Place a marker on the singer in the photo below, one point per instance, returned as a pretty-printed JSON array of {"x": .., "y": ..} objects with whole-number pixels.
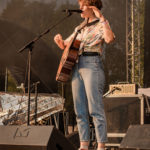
[{"x": 88, "y": 75}]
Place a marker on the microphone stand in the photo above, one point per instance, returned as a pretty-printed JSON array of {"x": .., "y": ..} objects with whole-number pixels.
[
  {"x": 36, "y": 95},
  {"x": 30, "y": 46}
]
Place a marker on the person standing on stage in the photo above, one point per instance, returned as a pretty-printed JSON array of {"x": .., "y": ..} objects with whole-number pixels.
[{"x": 88, "y": 75}]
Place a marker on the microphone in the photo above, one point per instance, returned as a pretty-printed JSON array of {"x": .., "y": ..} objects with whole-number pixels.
[
  {"x": 117, "y": 88},
  {"x": 72, "y": 11}
]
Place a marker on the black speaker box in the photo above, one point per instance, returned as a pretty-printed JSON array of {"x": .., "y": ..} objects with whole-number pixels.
[
  {"x": 33, "y": 138},
  {"x": 137, "y": 137},
  {"x": 121, "y": 112}
]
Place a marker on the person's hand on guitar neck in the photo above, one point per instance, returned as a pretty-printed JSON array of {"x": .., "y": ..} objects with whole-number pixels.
[{"x": 59, "y": 41}]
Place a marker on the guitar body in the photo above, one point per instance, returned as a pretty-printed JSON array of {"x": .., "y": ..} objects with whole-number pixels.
[{"x": 67, "y": 61}]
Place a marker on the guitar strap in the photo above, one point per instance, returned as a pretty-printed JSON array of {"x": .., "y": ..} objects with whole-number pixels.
[
  {"x": 79, "y": 28},
  {"x": 82, "y": 25}
]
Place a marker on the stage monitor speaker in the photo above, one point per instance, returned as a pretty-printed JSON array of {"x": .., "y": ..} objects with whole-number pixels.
[
  {"x": 137, "y": 137},
  {"x": 121, "y": 112},
  {"x": 33, "y": 138}
]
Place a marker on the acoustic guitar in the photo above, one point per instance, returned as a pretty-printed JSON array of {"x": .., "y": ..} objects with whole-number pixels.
[
  {"x": 67, "y": 61},
  {"x": 69, "y": 57}
]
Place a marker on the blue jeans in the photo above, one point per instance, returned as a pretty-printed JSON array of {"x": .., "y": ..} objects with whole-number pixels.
[{"x": 87, "y": 87}]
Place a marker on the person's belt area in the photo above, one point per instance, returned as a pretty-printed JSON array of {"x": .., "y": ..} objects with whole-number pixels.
[{"x": 90, "y": 54}]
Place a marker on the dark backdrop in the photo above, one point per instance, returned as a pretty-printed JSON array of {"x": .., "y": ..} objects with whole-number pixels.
[{"x": 22, "y": 20}]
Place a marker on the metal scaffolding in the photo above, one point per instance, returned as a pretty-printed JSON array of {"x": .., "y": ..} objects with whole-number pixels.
[{"x": 133, "y": 41}]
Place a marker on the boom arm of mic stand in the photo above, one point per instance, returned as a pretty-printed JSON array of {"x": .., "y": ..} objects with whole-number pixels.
[{"x": 28, "y": 45}]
